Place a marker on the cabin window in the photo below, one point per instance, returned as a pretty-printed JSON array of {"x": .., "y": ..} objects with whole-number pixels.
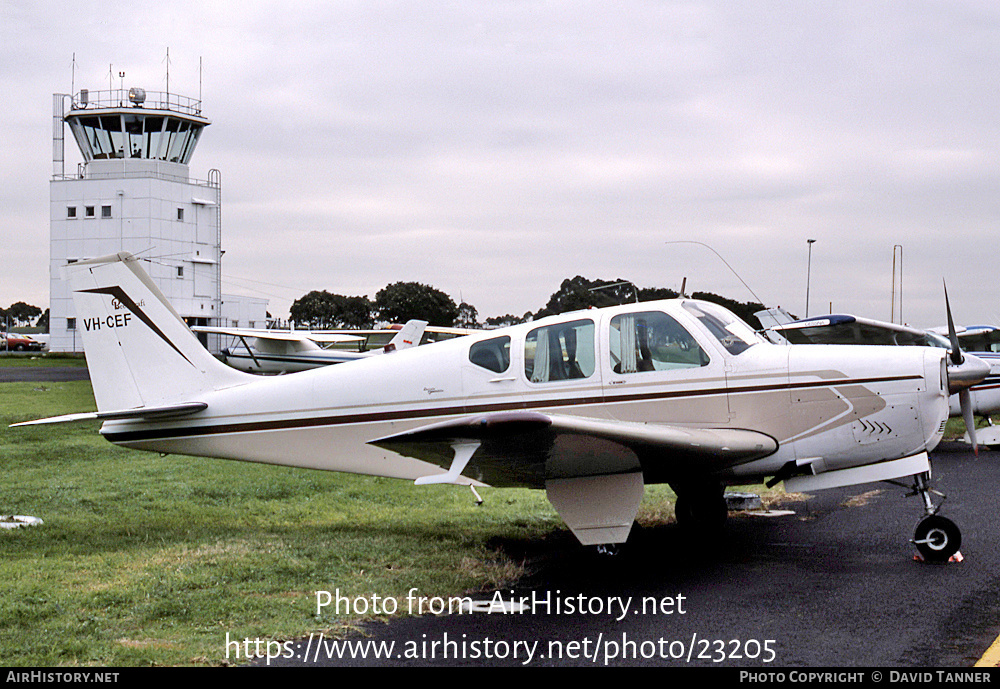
[
  {"x": 652, "y": 341},
  {"x": 564, "y": 351},
  {"x": 732, "y": 333},
  {"x": 493, "y": 354},
  {"x": 981, "y": 341}
]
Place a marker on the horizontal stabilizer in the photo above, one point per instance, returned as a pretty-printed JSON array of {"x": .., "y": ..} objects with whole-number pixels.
[{"x": 138, "y": 413}]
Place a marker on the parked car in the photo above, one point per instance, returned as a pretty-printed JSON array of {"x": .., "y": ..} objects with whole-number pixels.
[{"x": 15, "y": 342}]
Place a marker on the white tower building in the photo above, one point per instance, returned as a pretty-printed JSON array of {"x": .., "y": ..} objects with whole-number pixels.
[{"x": 133, "y": 192}]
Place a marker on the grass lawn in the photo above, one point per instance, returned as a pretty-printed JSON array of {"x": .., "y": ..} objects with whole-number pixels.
[{"x": 40, "y": 359}]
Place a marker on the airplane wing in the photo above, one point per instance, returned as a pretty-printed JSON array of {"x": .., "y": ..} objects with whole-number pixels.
[
  {"x": 848, "y": 329},
  {"x": 278, "y": 335},
  {"x": 525, "y": 448},
  {"x": 593, "y": 470},
  {"x": 770, "y": 318}
]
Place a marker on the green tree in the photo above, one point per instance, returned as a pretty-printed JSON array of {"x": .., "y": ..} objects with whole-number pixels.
[
  {"x": 401, "y": 301},
  {"x": 745, "y": 310},
  {"x": 324, "y": 310},
  {"x": 580, "y": 293},
  {"x": 468, "y": 316},
  {"x": 20, "y": 313},
  {"x": 656, "y": 293},
  {"x": 506, "y": 320}
]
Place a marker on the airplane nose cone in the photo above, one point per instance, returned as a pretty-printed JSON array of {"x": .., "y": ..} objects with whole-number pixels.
[{"x": 963, "y": 376}]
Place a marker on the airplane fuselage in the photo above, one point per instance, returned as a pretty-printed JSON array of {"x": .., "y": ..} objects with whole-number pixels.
[
  {"x": 828, "y": 407},
  {"x": 278, "y": 360}
]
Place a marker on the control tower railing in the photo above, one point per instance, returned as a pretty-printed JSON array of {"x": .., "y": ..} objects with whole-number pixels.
[{"x": 128, "y": 98}]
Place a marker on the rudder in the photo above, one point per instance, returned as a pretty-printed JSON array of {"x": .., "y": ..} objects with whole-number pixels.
[{"x": 139, "y": 351}]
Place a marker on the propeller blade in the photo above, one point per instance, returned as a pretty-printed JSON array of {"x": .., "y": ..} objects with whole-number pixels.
[
  {"x": 956, "y": 349},
  {"x": 965, "y": 398}
]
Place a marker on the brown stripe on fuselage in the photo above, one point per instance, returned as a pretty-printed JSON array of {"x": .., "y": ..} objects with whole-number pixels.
[{"x": 431, "y": 413}]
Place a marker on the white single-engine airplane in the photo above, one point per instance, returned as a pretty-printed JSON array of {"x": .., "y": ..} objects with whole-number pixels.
[
  {"x": 288, "y": 351},
  {"x": 589, "y": 406}
]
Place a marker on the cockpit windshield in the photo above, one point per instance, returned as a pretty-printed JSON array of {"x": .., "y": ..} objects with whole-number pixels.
[{"x": 732, "y": 333}]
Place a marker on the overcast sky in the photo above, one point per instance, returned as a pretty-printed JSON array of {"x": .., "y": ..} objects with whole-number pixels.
[{"x": 492, "y": 149}]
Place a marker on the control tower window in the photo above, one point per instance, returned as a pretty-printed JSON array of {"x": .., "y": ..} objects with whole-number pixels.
[
  {"x": 153, "y": 137},
  {"x": 111, "y": 126},
  {"x": 135, "y": 134},
  {"x": 180, "y": 134}
]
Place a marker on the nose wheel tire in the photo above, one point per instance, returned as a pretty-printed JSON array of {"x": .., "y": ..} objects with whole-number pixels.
[{"x": 937, "y": 538}]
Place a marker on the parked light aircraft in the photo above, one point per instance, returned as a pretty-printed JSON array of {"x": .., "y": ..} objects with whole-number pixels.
[
  {"x": 287, "y": 351},
  {"x": 589, "y": 406},
  {"x": 983, "y": 341}
]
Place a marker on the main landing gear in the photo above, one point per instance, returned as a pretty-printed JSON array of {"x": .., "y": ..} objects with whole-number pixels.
[
  {"x": 937, "y": 538},
  {"x": 700, "y": 509}
]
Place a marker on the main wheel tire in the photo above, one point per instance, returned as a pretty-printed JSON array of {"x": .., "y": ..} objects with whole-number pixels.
[
  {"x": 937, "y": 538},
  {"x": 701, "y": 513}
]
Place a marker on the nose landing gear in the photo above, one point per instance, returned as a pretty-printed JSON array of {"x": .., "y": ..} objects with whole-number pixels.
[{"x": 937, "y": 538}]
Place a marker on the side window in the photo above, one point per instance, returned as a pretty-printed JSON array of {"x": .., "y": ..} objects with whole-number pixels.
[
  {"x": 564, "y": 351},
  {"x": 652, "y": 341},
  {"x": 493, "y": 355}
]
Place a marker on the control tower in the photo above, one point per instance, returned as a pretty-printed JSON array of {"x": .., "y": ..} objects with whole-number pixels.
[{"x": 133, "y": 192}]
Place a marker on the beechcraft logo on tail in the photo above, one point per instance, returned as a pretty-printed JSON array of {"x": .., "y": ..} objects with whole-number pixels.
[{"x": 120, "y": 300}]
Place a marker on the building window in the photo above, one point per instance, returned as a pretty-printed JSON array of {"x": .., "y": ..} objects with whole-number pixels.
[
  {"x": 89, "y": 211},
  {"x": 180, "y": 271},
  {"x": 180, "y": 214},
  {"x": 105, "y": 211},
  {"x": 70, "y": 211},
  {"x": 70, "y": 324}
]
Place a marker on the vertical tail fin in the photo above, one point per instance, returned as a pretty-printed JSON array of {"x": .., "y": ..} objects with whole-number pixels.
[
  {"x": 139, "y": 351},
  {"x": 408, "y": 336}
]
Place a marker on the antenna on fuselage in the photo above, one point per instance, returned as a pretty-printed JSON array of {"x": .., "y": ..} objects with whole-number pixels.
[
  {"x": 683, "y": 293},
  {"x": 691, "y": 241}
]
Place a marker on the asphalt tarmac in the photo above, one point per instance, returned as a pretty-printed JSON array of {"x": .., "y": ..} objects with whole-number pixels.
[
  {"x": 39, "y": 374},
  {"x": 833, "y": 585}
]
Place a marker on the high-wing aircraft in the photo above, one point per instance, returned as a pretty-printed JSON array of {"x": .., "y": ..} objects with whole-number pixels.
[
  {"x": 287, "y": 351},
  {"x": 983, "y": 341},
  {"x": 590, "y": 406}
]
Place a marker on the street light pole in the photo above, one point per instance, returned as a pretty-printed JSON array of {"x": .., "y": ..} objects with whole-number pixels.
[{"x": 810, "y": 242}]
